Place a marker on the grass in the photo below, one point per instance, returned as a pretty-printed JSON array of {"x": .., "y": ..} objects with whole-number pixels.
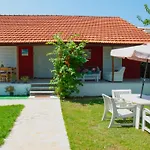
[
  {"x": 8, "y": 115},
  {"x": 13, "y": 97},
  {"x": 86, "y": 131}
]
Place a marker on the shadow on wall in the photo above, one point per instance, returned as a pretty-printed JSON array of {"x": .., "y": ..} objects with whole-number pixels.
[{"x": 142, "y": 69}]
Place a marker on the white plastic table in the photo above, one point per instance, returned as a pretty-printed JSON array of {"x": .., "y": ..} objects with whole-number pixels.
[{"x": 135, "y": 98}]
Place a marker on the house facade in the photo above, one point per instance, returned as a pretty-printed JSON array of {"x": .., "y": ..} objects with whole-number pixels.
[{"x": 23, "y": 38}]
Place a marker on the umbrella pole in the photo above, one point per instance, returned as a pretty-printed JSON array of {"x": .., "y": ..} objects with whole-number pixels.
[
  {"x": 144, "y": 78},
  {"x": 113, "y": 69}
]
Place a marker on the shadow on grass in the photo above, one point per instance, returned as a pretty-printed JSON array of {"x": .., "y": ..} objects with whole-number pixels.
[{"x": 85, "y": 100}]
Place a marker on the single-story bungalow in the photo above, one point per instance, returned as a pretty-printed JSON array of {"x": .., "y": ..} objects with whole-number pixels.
[{"x": 23, "y": 38}]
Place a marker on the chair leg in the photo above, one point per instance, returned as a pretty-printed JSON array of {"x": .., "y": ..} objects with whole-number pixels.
[
  {"x": 111, "y": 121},
  {"x": 134, "y": 119},
  {"x": 143, "y": 122}
]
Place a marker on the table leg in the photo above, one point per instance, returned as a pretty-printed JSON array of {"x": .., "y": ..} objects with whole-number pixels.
[
  {"x": 138, "y": 114},
  {"x": 97, "y": 78},
  {"x": 142, "y": 106}
]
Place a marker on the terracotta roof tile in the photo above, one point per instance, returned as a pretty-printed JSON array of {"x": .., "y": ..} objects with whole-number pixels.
[{"x": 39, "y": 29}]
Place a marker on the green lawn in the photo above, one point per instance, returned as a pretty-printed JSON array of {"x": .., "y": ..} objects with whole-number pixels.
[
  {"x": 86, "y": 131},
  {"x": 8, "y": 115}
]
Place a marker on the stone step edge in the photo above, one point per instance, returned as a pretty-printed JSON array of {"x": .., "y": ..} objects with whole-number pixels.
[
  {"x": 32, "y": 92},
  {"x": 41, "y": 88},
  {"x": 42, "y": 83}
]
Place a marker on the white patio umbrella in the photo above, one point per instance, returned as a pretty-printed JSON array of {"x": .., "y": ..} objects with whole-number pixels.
[{"x": 137, "y": 53}]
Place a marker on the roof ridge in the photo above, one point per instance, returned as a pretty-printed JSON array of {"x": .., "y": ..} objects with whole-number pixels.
[{"x": 58, "y": 15}]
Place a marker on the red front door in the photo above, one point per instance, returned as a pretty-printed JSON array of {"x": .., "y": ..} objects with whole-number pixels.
[{"x": 25, "y": 59}]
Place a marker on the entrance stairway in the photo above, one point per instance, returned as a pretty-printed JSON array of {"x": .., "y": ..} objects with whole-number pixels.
[{"x": 42, "y": 89}]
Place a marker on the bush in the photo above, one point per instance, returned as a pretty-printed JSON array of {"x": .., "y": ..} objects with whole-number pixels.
[
  {"x": 68, "y": 57},
  {"x": 24, "y": 79}
]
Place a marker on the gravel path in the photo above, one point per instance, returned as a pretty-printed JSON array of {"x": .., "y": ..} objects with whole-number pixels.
[{"x": 39, "y": 127}]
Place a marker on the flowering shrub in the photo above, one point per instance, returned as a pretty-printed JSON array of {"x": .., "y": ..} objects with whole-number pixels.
[
  {"x": 24, "y": 79},
  {"x": 68, "y": 57},
  {"x": 10, "y": 90}
]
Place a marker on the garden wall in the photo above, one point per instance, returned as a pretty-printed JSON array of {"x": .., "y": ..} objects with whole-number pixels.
[{"x": 20, "y": 89}]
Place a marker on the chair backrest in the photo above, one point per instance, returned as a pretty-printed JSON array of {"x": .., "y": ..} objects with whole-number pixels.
[
  {"x": 109, "y": 104},
  {"x": 117, "y": 93},
  {"x": 122, "y": 70}
]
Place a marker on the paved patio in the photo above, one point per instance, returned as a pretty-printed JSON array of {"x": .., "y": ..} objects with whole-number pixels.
[{"x": 39, "y": 127}]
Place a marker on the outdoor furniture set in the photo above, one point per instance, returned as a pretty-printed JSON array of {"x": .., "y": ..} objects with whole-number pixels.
[
  {"x": 91, "y": 73},
  {"x": 7, "y": 73},
  {"x": 123, "y": 104},
  {"x": 137, "y": 101}
]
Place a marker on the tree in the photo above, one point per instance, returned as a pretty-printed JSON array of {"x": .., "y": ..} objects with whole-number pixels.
[
  {"x": 67, "y": 58},
  {"x": 145, "y": 21}
]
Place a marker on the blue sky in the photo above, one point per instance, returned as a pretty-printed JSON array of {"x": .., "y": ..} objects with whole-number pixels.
[{"x": 126, "y": 9}]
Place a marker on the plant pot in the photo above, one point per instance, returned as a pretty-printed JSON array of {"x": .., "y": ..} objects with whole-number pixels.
[{"x": 11, "y": 93}]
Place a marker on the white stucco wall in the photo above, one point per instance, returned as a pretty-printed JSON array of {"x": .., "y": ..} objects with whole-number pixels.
[
  {"x": 8, "y": 56},
  {"x": 97, "y": 88},
  {"x": 42, "y": 65},
  {"x": 20, "y": 88},
  {"x": 107, "y": 60}
]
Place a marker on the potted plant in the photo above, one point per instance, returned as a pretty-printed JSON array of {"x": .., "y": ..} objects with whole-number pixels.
[
  {"x": 24, "y": 79},
  {"x": 10, "y": 90},
  {"x": 2, "y": 65}
]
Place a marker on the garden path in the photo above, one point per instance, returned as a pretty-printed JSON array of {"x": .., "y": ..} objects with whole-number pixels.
[{"x": 39, "y": 127}]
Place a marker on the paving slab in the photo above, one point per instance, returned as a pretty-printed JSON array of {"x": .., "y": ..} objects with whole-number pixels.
[{"x": 39, "y": 127}]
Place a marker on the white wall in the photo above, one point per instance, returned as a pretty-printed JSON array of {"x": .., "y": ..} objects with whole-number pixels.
[
  {"x": 97, "y": 88},
  {"x": 107, "y": 60},
  {"x": 8, "y": 56},
  {"x": 42, "y": 64},
  {"x": 20, "y": 88},
  {"x": 145, "y": 29}
]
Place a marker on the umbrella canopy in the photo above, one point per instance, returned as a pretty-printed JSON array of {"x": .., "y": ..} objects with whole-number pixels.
[{"x": 137, "y": 53}]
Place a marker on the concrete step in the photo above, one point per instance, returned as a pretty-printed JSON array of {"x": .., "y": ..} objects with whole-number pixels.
[
  {"x": 42, "y": 85},
  {"x": 42, "y": 88},
  {"x": 34, "y": 93},
  {"x": 42, "y": 92}
]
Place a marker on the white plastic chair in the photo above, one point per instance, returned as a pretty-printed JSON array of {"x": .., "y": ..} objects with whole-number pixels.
[
  {"x": 117, "y": 111},
  {"x": 118, "y": 75},
  {"x": 116, "y": 95},
  {"x": 145, "y": 118}
]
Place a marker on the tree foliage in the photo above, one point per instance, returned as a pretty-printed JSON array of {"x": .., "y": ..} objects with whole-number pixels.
[
  {"x": 67, "y": 58},
  {"x": 145, "y": 21}
]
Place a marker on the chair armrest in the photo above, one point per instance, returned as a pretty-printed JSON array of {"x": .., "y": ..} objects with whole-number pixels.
[
  {"x": 118, "y": 73},
  {"x": 122, "y": 101},
  {"x": 127, "y": 107},
  {"x": 146, "y": 111},
  {"x": 119, "y": 99}
]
